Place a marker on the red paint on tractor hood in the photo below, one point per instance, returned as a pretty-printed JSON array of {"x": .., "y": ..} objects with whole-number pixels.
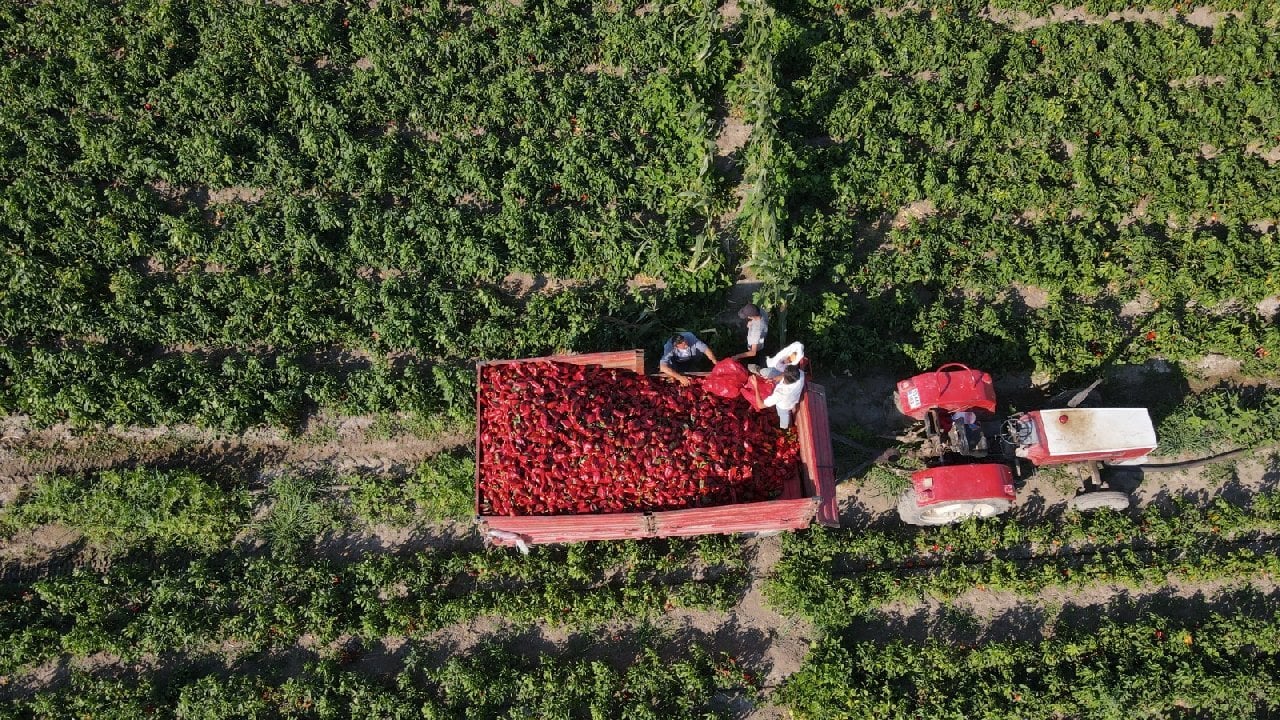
[
  {"x": 978, "y": 481},
  {"x": 951, "y": 387}
]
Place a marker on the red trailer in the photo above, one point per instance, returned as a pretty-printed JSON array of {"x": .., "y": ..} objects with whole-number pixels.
[{"x": 811, "y": 495}]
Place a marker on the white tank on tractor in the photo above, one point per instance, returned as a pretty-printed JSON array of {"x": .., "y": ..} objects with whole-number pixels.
[{"x": 1120, "y": 436}]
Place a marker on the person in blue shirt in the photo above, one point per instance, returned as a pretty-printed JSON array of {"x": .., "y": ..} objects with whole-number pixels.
[{"x": 679, "y": 354}]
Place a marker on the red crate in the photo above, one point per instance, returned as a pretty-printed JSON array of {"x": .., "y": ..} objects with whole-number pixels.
[{"x": 810, "y": 495}]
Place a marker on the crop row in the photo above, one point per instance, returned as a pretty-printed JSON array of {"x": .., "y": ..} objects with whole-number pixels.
[
  {"x": 1224, "y": 666},
  {"x": 831, "y": 575},
  {"x": 190, "y": 570},
  {"x": 1102, "y": 164},
  {"x": 257, "y": 602},
  {"x": 204, "y": 204},
  {"x": 144, "y": 509},
  {"x": 1177, "y": 10},
  {"x": 491, "y": 681},
  {"x": 1223, "y": 418}
]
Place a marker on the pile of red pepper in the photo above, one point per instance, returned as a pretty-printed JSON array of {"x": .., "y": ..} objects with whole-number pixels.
[{"x": 559, "y": 439}]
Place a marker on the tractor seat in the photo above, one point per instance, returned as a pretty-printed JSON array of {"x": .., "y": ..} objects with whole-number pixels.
[{"x": 967, "y": 440}]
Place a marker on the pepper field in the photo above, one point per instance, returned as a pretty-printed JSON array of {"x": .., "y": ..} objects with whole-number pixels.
[{"x": 253, "y": 251}]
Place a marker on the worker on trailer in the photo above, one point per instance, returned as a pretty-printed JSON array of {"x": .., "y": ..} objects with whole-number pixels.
[
  {"x": 680, "y": 353},
  {"x": 792, "y": 354},
  {"x": 757, "y": 328},
  {"x": 786, "y": 394}
]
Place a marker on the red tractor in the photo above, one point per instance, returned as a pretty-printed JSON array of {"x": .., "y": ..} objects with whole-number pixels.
[{"x": 973, "y": 457}]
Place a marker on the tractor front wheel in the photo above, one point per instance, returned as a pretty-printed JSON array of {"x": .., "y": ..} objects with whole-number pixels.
[{"x": 945, "y": 513}]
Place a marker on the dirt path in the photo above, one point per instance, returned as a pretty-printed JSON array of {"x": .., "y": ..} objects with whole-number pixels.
[
  {"x": 363, "y": 444},
  {"x": 1199, "y": 16}
]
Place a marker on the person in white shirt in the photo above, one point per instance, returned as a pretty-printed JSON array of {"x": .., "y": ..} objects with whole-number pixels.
[
  {"x": 786, "y": 395},
  {"x": 789, "y": 355},
  {"x": 757, "y": 329}
]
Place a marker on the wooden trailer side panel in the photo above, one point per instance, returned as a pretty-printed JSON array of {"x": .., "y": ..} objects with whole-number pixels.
[
  {"x": 816, "y": 457},
  {"x": 625, "y": 359},
  {"x": 766, "y": 516},
  {"x": 537, "y": 530}
]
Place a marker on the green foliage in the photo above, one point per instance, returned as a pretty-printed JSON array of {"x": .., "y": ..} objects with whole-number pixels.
[
  {"x": 230, "y": 214},
  {"x": 1069, "y": 169},
  {"x": 214, "y": 698},
  {"x": 238, "y": 603},
  {"x": 1221, "y": 666},
  {"x": 376, "y": 500},
  {"x": 831, "y": 576},
  {"x": 122, "y": 510},
  {"x": 1222, "y": 419},
  {"x": 885, "y": 481},
  {"x": 491, "y": 681},
  {"x": 441, "y": 489},
  {"x": 90, "y": 697},
  {"x": 762, "y": 215},
  {"x": 298, "y": 510},
  {"x": 233, "y": 214}
]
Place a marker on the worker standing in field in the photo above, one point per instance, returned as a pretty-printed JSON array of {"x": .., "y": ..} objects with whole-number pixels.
[
  {"x": 757, "y": 329},
  {"x": 786, "y": 394},
  {"x": 679, "y": 354}
]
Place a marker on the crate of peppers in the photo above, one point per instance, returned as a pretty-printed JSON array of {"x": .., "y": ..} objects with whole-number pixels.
[{"x": 557, "y": 438}]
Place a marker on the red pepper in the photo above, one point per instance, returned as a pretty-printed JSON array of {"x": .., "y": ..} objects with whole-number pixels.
[{"x": 551, "y": 444}]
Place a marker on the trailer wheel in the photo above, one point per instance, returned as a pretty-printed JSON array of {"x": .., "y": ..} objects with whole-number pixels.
[
  {"x": 948, "y": 512},
  {"x": 1113, "y": 499}
]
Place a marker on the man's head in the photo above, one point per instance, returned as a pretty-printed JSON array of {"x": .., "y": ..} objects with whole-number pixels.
[
  {"x": 679, "y": 341},
  {"x": 749, "y": 312},
  {"x": 790, "y": 374}
]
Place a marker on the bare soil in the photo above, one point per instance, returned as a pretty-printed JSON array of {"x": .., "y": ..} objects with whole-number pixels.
[
  {"x": 1200, "y": 16},
  {"x": 1268, "y": 308},
  {"x": 730, "y": 12},
  {"x": 1033, "y": 297},
  {"x": 347, "y": 444},
  {"x": 521, "y": 285},
  {"x": 732, "y": 137},
  {"x": 1140, "y": 305},
  {"x": 986, "y": 615},
  {"x": 1138, "y": 212},
  {"x": 235, "y": 194},
  {"x": 914, "y": 212}
]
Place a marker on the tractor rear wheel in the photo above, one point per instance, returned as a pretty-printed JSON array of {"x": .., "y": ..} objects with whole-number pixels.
[
  {"x": 1113, "y": 499},
  {"x": 909, "y": 509},
  {"x": 946, "y": 513}
]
